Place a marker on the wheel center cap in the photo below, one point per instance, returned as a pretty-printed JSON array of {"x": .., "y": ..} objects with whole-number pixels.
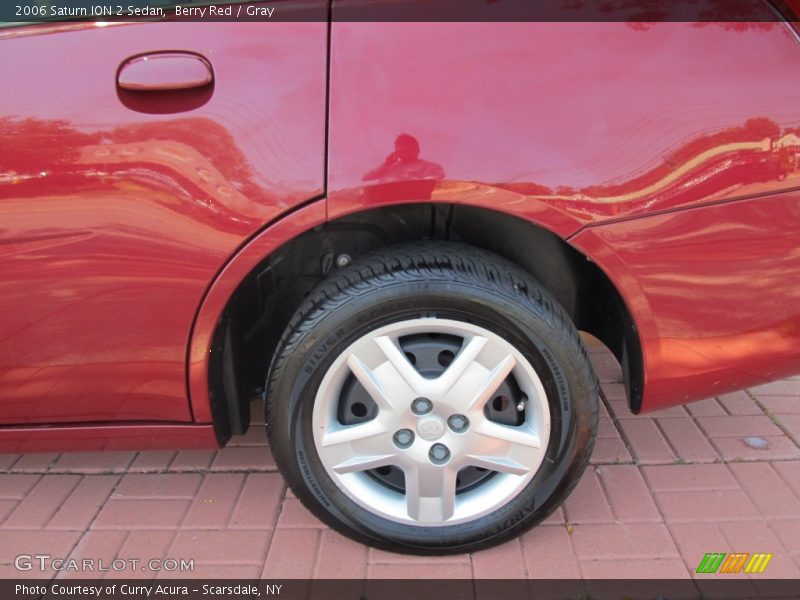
[{"x": 430, "y": 428}]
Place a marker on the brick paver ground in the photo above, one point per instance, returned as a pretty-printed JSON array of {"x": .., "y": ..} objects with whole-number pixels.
[{"x": 721, "y": 475}]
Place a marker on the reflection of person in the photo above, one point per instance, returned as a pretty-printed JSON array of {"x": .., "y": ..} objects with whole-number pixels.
[{"x": 404, "y": 164}]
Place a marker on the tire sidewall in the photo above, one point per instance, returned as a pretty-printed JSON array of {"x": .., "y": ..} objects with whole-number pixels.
[{"x": 552, "y": 351}]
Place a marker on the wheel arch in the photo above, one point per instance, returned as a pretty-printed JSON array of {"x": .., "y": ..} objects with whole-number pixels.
[{"x": 249, "y": 304}]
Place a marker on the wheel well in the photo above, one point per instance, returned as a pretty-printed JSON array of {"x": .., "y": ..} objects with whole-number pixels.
[{"x": 262, "y": 305}]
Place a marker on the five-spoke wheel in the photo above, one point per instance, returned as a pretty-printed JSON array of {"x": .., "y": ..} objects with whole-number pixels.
[
  {"x": 432, "y": 398},
  {"x": 433, "y": 423}
]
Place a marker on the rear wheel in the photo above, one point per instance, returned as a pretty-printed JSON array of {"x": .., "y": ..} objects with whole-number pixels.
[{"x": 432, "y": 399}]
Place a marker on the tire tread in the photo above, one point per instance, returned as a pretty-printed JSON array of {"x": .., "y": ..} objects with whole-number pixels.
[{"x": 439, "y": 261}]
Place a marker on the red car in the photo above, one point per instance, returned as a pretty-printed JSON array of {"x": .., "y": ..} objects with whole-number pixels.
[{"x": 392, "y": 233}]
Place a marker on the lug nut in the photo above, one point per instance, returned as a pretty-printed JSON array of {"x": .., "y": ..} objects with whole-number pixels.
[
  {"x": 403, "y": 438},
  {"x": 421, "y": 406},
  {"x": 458, "y": 423},
  {"x": 439, "y": 454}
]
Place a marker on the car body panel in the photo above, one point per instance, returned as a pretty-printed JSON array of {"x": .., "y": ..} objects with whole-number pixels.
[
  {"x": 117, "y": 212},
  {"x": 714, "y": 292},
  {"x": 82, "y": 437},
  {"x": 267, "y": 241},
  {"x": 126, "y": 224},
  {"x": 565, "y": 124},
  {"x": 589, "y": 129}
]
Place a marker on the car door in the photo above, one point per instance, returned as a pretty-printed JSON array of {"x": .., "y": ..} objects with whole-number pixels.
[{"x": 125, "y": 187}]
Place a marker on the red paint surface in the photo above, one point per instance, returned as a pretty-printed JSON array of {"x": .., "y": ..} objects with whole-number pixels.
[
  {"x": 714, "y": 291},
  {"x": 114, "y": 222},
  {"x": 573, "y": 125},
  {"x": 145, "y": 436},
  {"x": 123, "y": 218},
  {"x": 563, "y": 124},
  {"x": 251, "y": 255}
]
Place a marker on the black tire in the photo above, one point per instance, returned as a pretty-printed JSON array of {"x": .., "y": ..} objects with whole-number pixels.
[{"x": 445, "y": 280}]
